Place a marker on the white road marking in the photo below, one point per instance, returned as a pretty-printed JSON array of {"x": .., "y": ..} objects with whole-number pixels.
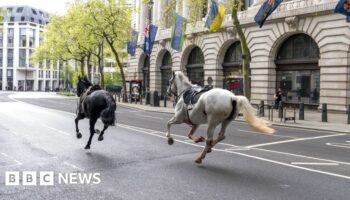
[
  {"x": 237, "y": 149},
  {"x": 4, "y": 154},
  {"x": 147, "y": 116},
  {"x": 73, "y": 166},
  {"x": 275, "y": 135},
  {"x": 250, "y": 156},
  {"x": 302, "y": 156},
  {"x": 309, "y": 163},
  {"x": 295, "y": 140},
  {"x": 57, "y": 130},
  {"x": 342, "y": 145}
]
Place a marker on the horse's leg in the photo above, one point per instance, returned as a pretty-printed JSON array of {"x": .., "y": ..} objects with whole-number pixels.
[
  {"x": 221, "y": 135},
  {"x": 79, "y": 117},
  {"x": 172, "y": 121},
  {"x": 210, "y": 133},
  {"x": 195, "y": 138},
  {"x": 93, "y": 120},
  {"x": 100, "y": 137}
]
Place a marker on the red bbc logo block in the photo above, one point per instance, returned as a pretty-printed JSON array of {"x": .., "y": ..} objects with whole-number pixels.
[{"x": 29, "y": 178}]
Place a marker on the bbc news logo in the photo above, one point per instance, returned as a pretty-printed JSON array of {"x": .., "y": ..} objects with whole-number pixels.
[{"x": 47, "y": 178}]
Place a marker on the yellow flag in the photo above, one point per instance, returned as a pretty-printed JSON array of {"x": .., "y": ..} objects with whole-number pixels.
[{"x": 219, "y": 18}]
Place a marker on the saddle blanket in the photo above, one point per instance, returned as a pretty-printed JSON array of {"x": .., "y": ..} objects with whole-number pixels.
[{"x": 192, "y": 94}]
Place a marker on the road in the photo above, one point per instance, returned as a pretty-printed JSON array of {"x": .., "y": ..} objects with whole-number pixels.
[{"x": 135, "y": 161}]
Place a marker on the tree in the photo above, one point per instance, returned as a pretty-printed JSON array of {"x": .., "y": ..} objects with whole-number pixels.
[{"x": 109, "y": 19}]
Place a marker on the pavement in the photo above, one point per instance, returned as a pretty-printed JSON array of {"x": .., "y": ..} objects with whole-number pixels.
[
  {"x": 337, "y": 122},
  {"x": 37, "y": 133}
]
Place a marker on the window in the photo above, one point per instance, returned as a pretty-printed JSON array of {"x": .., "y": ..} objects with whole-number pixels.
[
  {"x": 30, "y": 55},
  {"x": 9, "y": 10},
  {"x": 40, "y": 21},
  {"x": 9, "y": 73},
  {"x": 10, "y": 34},
  {"x": 19, "y": 9},
  {"x": 22, "y": 58},
  {"x": 34, "y": 11},
  {"x": 12, "y": 19},
  {"x": 22, "y": 18},
  {"x": 9, "y": 57},
  {"x": 298, "y": 73},
  {"x": 232, "y": 69},
  {"x": 31, "y": 37},
  {"x": 1, "y": 58},
  {"x": 165, "y": 72},
  {"x": 32, "y": 19},
  {"x": 22, "y": 37},
  {"x": 1, "y": 39},
  {"x": 194, "y": 66}
]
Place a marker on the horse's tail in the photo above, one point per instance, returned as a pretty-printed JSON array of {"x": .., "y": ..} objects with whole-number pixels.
[
  {"x": 108, "y": 114},
  {"x": 248, "y": 111}
]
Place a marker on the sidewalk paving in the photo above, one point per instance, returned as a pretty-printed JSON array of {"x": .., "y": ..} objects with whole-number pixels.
[{"x": 337, "y": 122}]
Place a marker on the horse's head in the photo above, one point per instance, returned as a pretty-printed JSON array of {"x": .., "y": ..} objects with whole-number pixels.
[
  {"x": 83, "y": 85},
  {"x": 172, "y": 89}
]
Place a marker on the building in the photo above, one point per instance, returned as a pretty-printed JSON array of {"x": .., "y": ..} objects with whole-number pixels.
[
  {"x": 303, "y": 48},
  {"x": 21, "y": 33}
]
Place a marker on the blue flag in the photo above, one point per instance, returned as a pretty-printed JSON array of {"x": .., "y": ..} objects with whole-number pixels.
[
  {"x": 266, "y": 10},
  {"x": 343, "y": 7},
  {"x": 150, "y": 36},
  {"x": 178, "y": 32},
  {"x": 132, "y": 43}
]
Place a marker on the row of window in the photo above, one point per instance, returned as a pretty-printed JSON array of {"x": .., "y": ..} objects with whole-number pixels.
[
  {"x": 9, "y": 73},
  {"x": 20, "y": 10},
  {"x": 24, "y": 33},
  {"x": 22, "y": 57},
  {"x": 48, "y": 74}
]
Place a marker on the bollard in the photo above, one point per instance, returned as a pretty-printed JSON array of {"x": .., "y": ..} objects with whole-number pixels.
[
  {"x": 269, "y": 109},
  {"x": 348, "y": 114},
  {"x": 301, "y": 111},
  {"x": 165, "y": 100},
  {"x": 324, "y": 112},
  {"x": 141, "y": 98},
  {"x": 147, "y": 98},
  {"x": 119, "y": 98},
  {"x": 130, "y": 98},
  {"x": 280, "y": 109},
  {"x": 262, "y": 110}
]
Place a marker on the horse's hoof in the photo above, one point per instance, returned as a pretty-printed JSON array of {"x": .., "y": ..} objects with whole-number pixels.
[
  {"x": 97, "y": 131},
  {"x": 170, "y": 141},
  {"x": 87, "y": 147},
  {"x": 198, "y": 161},
  {"x": 79, "y": 135},
  {"x": 200, "y": 139},
  {"x": 100, "y": 138}
]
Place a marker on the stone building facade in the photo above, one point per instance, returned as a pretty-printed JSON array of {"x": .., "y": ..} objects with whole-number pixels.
[{"x": 303, "y": 48}]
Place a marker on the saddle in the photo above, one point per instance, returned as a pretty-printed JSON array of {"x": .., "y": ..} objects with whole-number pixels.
[
  {"x": 192, "y": 95},
  {"x": 83, "y": 107}
]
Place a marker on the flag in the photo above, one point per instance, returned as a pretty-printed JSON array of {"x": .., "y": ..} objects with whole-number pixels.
[
  {"x": 343, "y": 7},
  {"x": 178, "y": 32},
  {"x": 266, "y": 10},
  {"x": 132, "y": 43},
  {"x": 150, "y": 36},
  {"x": 215, "y": 17}
]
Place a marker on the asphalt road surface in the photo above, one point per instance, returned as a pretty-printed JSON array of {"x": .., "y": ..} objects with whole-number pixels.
[{"x": 134, "y": 160}]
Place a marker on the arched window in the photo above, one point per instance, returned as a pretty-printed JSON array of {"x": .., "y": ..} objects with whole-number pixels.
[
  {"x": 232, "y": 68},
  {"x": 146, "y": 74},
  {"x": 194, "y": 66},
  {"x": 298, "y": 73},
  {"x": 165, "y": 69}
]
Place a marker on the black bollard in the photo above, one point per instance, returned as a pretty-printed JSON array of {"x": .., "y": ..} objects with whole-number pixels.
[
  {"x": 280, "y": 109},
  {"x": 165, "y": 100},
  {"x": 130, "y": 99},
  {"x": 324, "y": 112},
  {"x": 301, "y": 111},
  {"x": 348, "y": 114},
  {"x": 141, "y": 99},
  {"x": 147, "y": 98},
  {"x": 262, "y": 110}
]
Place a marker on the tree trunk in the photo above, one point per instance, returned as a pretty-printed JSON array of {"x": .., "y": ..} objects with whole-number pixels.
[
  {"x": 82, "y": 66},
  {"x": 245, "y": 50},
  {"x": 89, "y": 67},
  {"x": 120, "y": 67}
]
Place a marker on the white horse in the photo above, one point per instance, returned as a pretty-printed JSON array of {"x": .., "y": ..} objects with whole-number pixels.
[{"x": 217, "y": 106}]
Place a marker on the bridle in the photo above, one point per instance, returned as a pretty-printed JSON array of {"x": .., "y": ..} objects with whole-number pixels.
[{"x": 171, "y": 82}]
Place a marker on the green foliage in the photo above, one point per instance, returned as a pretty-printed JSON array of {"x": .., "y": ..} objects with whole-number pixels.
[
  {"x": 112, "y": 78},
  {"x": 68, "y": 94}
]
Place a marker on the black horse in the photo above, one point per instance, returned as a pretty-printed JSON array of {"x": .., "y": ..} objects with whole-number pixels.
[{"x": 93, "y": 104}]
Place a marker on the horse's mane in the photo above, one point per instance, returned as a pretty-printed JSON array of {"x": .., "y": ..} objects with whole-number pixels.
[{"x": 183, "y": 78}]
